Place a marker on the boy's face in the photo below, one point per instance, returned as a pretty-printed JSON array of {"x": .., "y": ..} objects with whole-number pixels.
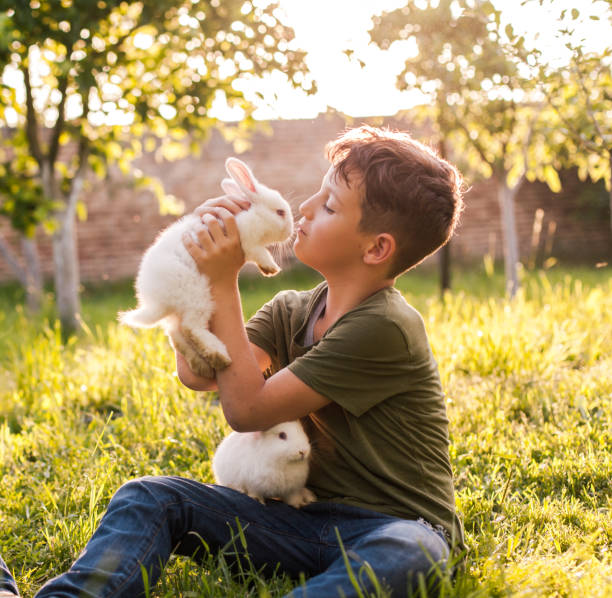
[{"x": 328, "y": 236}]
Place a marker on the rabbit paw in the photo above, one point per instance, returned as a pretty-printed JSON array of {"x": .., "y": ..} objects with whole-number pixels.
[
  {"x": 209, "y": 349},
  {"x": 301, "y": 498},
  {"x": 200, "y": 367},
  {"x": 264, "y": 260},
  {"x": 269, "y": 271},
  {"x": 258, "y": 498},
  {"x": 219, "y": 361}
]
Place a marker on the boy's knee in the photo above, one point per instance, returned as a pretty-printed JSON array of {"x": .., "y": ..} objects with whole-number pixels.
[
  {"x": 403, "y": 552},
  {"x": 143, "y": 490}
]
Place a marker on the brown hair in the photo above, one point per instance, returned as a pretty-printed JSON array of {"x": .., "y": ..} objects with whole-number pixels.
[{"x": 407, "y": 190}]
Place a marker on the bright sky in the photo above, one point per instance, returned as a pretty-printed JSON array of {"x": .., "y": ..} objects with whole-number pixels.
[{"x": 327, "y": 27}]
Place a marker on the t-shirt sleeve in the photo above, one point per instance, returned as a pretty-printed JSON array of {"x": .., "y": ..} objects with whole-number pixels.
[
  {"x": 360, "y": 363},
  {"x": 260, "y": 329}
]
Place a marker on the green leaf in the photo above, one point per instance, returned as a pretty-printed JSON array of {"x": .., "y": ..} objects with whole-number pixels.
[
  {"x": 81, "y": 210},
  {"x": 131, "y": 57},
  {"x": 551, "y": 178}
]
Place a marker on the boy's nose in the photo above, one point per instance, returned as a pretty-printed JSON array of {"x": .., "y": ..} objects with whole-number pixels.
[{"x": 305, "y": 209}]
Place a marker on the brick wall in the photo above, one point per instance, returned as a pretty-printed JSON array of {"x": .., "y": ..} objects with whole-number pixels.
[{"x": 122, "y": 222}]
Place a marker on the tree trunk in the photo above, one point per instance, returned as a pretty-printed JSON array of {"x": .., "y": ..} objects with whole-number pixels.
[
  {"x": 34, "y": 281},
  {"x": 610, "y": 203},
  {"x": 65, "y": 260},
  {"x": 66, "y": 272},
  {"x": 506, "y": 197},
  {"x": 445, "y": 252},
  {"x": 29, "y": 274},
  {"x": 445, "y": 268}
]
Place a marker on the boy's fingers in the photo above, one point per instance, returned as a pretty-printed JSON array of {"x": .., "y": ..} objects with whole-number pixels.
[
  {"x": 229, "y": 223},
  {"x": 243, "y": 204},
  {"x": 226, "y": 223},
  {"x": 205, "y": 207},
  {"x": 210, "y": 232},
  {"x": 193, "y": 249},
  {"x": 232, "y": 204}
]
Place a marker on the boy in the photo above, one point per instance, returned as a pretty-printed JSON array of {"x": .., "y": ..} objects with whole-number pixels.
[{"x": 351, "y": 359}]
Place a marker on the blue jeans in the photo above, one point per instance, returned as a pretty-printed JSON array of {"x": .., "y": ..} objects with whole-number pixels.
[{"x": 151, "y": 517}]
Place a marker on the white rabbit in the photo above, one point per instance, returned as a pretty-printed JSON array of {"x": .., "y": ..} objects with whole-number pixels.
[
  {"x": 173, "y": 294},
  {"x": 269, "y": 464}
]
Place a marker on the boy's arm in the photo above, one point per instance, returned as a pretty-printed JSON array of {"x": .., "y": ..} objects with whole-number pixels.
[
  {"x": 249, "y": 401},
  {"x": 195, "y": 382},
  {"x": 189, "y": 379}
]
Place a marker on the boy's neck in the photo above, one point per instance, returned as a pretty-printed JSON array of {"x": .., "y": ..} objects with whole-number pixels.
[{"x": 345, "y": 293}]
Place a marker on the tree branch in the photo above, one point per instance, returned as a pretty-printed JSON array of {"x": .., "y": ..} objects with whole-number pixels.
[
  {"x": 588, "y": 143},
  {"x": 59, "y": 123},
  {"x": 475, "y": 143},
  {"x": 530, "y": 132},
  {"x": 11, "y": 259},
  {"x": 77, "y": 180},
  {"x": 31, "y": 120},
  {"x": 589, "y": 106}
]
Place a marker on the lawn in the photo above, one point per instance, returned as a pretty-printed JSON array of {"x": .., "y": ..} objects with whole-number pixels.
[{"x": 529, "y": 394}]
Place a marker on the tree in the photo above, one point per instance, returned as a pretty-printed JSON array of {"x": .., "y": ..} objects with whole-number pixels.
[
  {"x": 450, "y": 37},
  {"x": 93, "y": 84},
  {"x": 478, "y": 97},
  {"x": 24, "y": 204},
  {"x": 580, "y": 94}
]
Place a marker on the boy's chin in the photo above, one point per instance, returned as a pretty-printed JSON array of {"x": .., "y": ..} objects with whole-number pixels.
[
  {"x": 297, "y": 249},
  {"x": 303, "y": 259}
]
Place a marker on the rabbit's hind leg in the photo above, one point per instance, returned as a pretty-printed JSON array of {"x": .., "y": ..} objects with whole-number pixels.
[
  {"x": 264, "y": 260},
  {"x": 300, "y": 498},
  {"x": 210, "y": 348},
  {"x": 196, "y": 362}
]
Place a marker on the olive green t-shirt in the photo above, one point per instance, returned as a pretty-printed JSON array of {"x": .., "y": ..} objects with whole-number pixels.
[{"x": 382, "y": 442}]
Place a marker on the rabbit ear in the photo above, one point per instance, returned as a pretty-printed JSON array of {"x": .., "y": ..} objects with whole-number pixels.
[
  {"x": 241, "y": 173},
  {"x": 232, "y": 189}
]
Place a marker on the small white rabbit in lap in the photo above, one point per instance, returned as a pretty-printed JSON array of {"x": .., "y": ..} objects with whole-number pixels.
[
  {"x": 269, "y": 464},
  {"x": 173, "y": 294}
]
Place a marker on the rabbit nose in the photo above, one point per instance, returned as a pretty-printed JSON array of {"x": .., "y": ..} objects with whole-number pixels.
[{"x": 302, "y": 453}]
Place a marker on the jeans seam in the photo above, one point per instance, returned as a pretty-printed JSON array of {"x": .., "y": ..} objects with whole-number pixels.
[
  {"x": 259, "y": 525},
  {"x": 165, "y": 506},
  {"x": 148, "y": 548},
  {"x": 439, "y": 530}
]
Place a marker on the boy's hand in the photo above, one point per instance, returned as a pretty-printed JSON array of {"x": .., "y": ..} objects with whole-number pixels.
[
  {"x": 216, "y": 250},
  {"x": 232, "y": 204}
]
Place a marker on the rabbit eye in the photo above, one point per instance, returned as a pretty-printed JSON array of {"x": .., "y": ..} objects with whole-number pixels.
[
  {"x": 281, "y": 213},
  {"x": 283, "y": 436}
]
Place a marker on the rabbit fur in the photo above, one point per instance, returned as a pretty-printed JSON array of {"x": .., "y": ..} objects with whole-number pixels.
[
  {"x": 173, "y": 294},
  {"x": 269, "y": 464}
]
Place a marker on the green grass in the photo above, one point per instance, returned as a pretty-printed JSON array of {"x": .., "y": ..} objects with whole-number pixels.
[{"x": 529, "y": 386}]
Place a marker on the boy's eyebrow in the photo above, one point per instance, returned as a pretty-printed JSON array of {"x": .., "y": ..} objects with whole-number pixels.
[
  {"x": 337, "y": 199},
  {"x": 328, "y": 181}
]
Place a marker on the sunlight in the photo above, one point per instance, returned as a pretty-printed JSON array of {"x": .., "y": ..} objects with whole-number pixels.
[
  {"x": 353, "y": 76},
  {"x": 143, "y": 41},
  {"x": 327, "y": 29}
]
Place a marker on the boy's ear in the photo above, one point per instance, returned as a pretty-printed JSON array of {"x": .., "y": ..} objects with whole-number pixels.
[{"x": 381, "y": 249}]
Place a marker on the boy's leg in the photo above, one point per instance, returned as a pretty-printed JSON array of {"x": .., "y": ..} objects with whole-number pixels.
[
  {"x": 399, "y": 551},
  {"x": 149, "y": 518},
  {"x": 7, "y": 583}
]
